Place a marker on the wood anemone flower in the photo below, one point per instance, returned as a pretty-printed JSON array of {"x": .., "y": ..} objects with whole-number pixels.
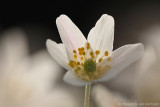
[{"x": 93, "y": 59}]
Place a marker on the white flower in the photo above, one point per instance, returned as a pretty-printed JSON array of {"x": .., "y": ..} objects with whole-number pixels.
[
  {"x": 91, "y": 59},
  {"x": 29, "y": 81}
]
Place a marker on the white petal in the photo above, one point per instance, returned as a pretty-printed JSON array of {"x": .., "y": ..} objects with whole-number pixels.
[
  {"x": 58, "y": 52},
  {"x": 123, "y": 57},
  {"x": 102, "y": 35},
  {"x": 71, "y": 36},
  {"x": 72, "y": 79}
]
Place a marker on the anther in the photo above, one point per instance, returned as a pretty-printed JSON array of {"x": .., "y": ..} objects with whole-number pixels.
[
  {"x": 75, "y": 56},
  {"x": 74, "y": 51},
  {"x": 80, "y": 53},
  {"x": 82, "y": 64},
  {"x": 81, "y": 58},
  {"x": 71, "y": 61},
  {"x": 71, "y": 65},
  {"x": 88, "y": 46},
  {"x": 97, "y": 52},
  {"x": 77, "y": 69},
  {"x": 109, "y": 59},
  {"x": 106, "y": 53},
  {"x": 91, "y": 53},
  {"x": 92, "y": 56},
  {"x": 84, "y": 53},
  {"x": 100, "y": 59},
  {"x": 82, "y": 49},
  {"x": 78, "y": 63},
  {"x": 79, "y": 49}
]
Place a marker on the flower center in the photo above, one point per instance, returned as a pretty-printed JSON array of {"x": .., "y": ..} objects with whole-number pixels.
[{"x": 87, "y": 65}]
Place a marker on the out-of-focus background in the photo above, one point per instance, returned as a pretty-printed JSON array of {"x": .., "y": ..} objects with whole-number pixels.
[
  {"x": 24, "y": 29},
  {"x": 132, "y": 17}
]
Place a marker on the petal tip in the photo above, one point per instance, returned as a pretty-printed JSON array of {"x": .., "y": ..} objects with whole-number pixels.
[
  {"x": 141, "y": 47},
  {"x": 61, "y": 18},
  {"x": 48, "y": 42},
  {"x": 107, "y": 17}
]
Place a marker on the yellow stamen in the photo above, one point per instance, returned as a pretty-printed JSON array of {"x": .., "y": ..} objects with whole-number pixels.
[
  {"x": 75, "y": 63},
  {"x": 81, "y": 58},
  {"x": 91, "y": 53},
  {"x": 92, "y": 56},
  {"x": 97, "y": 52},
  {"x": 71, "y": 65},
  {"x": 80, "y": 52},
  {"x": 79, "y": 49},
  {"x": 82, "y": 64},
  {"x": 82, "y": 49},
  {"x": 78, "y": 63},
  {"x": 109, "y": 59},
  {"x": 75, "y": 56},
  {"x": 84, "y": 53},
  {"x": 106, "y": 53},
  {"x": 88, "y": 46},
  {"x": 77, "y": 69},
  {"x": 74, "y": 51},
  {"x": 100, "y": 59}
]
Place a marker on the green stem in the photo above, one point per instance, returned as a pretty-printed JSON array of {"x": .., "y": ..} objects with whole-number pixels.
[{"x": 87, "y": 95}]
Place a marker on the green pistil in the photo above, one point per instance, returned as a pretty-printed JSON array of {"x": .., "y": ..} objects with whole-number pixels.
[{"x": 89, "y": 66}]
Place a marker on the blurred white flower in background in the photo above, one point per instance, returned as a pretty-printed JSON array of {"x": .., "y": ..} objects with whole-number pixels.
[
  {"x": 149, "y": 85},
  {"x": 29, "y": 81},
  {"x": 104, "y": 97},
  {"x": 151, "y": 36}
]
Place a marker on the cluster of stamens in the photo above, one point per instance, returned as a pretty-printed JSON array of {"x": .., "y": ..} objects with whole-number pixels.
[{"x": 85, "y": 63}]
